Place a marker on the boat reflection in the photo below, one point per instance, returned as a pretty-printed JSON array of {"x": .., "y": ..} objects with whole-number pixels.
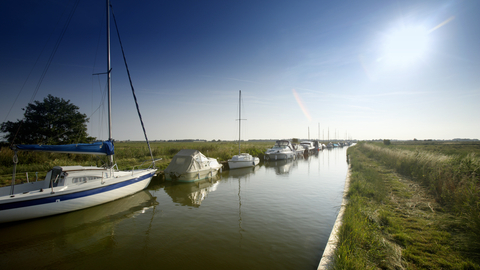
[
  {"x": 238, "y": 173},
  {"x": 281, "y": 166},
  {"x": 78, "y": 228},
  {"x": 191, "y": 194}
]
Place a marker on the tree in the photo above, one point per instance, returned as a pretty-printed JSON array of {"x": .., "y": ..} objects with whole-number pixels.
[{"x": 53, "y": 121}]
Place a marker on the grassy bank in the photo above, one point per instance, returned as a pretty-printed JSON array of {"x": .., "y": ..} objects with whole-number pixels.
[
  {"x": 410, "y": 209},
  {"x": 127, "y": 155}
]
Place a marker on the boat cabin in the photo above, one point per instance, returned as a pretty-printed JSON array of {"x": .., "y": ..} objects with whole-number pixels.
[{"x": 74, "y": 175}]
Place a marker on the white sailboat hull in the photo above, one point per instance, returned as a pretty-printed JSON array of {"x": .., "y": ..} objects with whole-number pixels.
[
  {"x": 243, "y": 161},
  {"x": 36, "y": 203}
]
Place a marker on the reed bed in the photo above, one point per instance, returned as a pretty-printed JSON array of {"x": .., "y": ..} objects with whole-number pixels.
[{"x": 453, "y": 180}]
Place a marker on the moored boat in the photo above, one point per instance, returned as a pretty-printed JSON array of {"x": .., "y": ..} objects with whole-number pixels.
[
  {"x": 308, "y": 146},
  {"x": 242, "y": 160},
  {"x": 298, "y": 149},
  {"x": 282, "y": 149},
  {"x": 69, "y": 188},
  {"x": 190, "y": 165}
]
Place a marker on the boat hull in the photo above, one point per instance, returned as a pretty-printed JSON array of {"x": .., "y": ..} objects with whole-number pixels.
[
  {"x": 192, "y": 176},
  {"x": 62, "y": 201},
  {"x": 279, "y": 156},
  {"x": 243, "y": 163}
]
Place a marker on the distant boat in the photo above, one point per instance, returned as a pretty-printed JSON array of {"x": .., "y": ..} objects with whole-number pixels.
[
  {"x": 298, "y": 149},
  {"x": 282, "y": 149},
  {"x": 308, "y": 146},
  {"x": 70, "y": 188},
  {"x": 190, "y": 165},
  {"x": 318, "y": 145},
  {"x": 242, "y": 160}
]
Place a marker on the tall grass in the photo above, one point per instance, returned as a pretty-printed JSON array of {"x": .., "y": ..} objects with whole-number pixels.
[
  {"x": 388, "y": 222},
  {"x": 361, "y": 244},
  {"x": 454, "y": 180}
]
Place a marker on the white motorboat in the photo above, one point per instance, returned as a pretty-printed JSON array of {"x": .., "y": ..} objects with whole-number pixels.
[
  {"x": 298, "y": 149},
  {"x": 308, "y": 146},
  {"x": 242, "y": 160},
  {"x": 190, "y": 165},
  {"x": 282, "y": 149},
  {"x": 70, "y": 188}
]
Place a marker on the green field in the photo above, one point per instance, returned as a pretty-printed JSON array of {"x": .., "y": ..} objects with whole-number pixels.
[
  {"x": 412, "y": 205},
  {"x": 127, "y": 155}
]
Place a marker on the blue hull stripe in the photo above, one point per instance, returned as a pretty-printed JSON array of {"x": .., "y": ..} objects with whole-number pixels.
[{"x": 71, "y": 196}]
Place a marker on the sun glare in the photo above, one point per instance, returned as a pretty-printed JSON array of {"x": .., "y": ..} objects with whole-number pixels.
[{"x": 406, "y": 45}]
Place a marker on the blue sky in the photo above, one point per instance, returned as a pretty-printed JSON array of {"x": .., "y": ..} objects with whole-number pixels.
[{"x": 357, "y": 69}]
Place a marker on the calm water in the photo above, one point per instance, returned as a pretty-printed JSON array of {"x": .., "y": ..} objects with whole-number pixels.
[{"x": 276, "y": 216}]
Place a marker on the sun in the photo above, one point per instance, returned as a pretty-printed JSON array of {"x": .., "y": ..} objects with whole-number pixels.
[{"x": 406, "y": 45}]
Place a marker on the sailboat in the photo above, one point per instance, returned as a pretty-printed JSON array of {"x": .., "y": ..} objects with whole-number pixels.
[
  {"x": 71, "y": 188},
  {"x": 242, "y": 160}
]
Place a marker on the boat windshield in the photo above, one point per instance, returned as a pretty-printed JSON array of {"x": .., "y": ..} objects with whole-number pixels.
[{"x": 281, "y": 143}]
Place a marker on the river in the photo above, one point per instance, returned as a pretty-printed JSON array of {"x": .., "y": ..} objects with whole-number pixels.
[{"x": 277, "y": 215}]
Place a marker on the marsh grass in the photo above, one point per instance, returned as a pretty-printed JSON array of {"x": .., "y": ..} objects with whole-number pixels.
[
  {"x": 454, "y": 180},
  {"x": 127, "y": 156},
  {"x": 416, "y": 210}
]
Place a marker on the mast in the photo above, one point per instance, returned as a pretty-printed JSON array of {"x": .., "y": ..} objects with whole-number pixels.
[
  {"x": 109, "y": 82},
  {"x": 239, "y": 117}
]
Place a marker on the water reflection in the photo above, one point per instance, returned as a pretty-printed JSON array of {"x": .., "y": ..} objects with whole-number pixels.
[
  {"x": 251, "y": 221},
  {"x": 239, "y": 173},
  {"x": 281, "y": 166},
  {"x": 87, "y": 230},
  {"x": 191, "y": 194}
]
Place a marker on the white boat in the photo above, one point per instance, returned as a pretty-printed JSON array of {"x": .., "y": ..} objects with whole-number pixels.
[
  {"x": 298, "y": 149},
  {"x": 308, "y": 146},
  {"x": 242, "y": 160},
  {"x": 71, "y": 188},
  {"x": 282, "y": 149},
  {"x": 318, "y": 145},
  {"x": 190, "y": 165}
]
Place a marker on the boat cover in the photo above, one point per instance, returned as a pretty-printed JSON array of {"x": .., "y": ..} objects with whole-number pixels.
[
  {"x": 96, "y": 148},
  {"x": 187, "y": 160}
]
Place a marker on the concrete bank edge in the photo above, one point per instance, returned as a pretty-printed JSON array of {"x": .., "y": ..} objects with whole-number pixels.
[{"x": 328, "y": 253}]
